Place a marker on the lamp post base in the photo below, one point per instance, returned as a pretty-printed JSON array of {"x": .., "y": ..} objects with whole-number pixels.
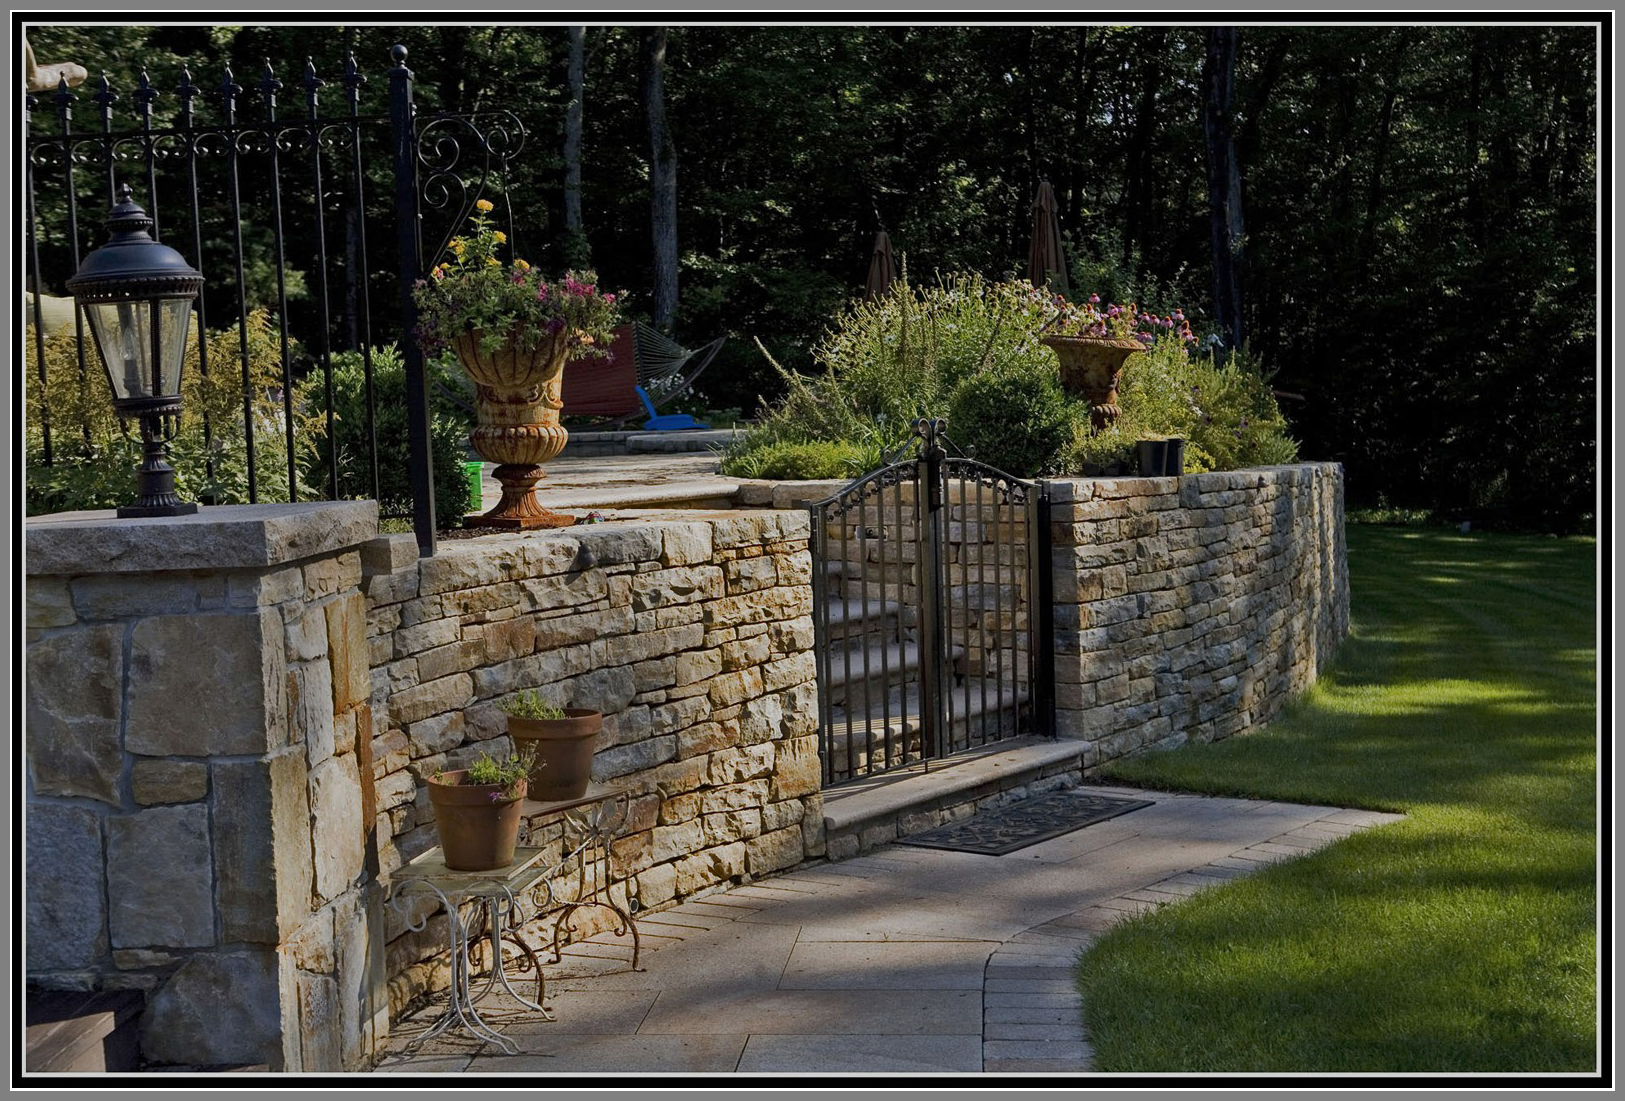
[{"x": 180, "y": 508}]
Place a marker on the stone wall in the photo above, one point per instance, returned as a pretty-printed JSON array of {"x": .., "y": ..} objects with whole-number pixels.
[
  {"x": 228, "y": 715},
  {"x": 690, "y": 632},
  {"x": 195, "y": 688},
  {"x": 1195, "y": 607}
]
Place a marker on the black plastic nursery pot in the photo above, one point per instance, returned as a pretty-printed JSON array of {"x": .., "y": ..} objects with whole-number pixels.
[{"x": 1162, "y": 458}]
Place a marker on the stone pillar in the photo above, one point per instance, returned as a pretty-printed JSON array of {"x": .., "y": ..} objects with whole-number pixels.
[{"x": 198, "y": 821}]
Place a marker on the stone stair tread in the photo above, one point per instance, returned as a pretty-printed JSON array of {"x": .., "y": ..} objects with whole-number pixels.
[
  {"x": 900, "y": 657},
  {"x": 903, "y": 712},
  {"x": 844, "y": 611}
]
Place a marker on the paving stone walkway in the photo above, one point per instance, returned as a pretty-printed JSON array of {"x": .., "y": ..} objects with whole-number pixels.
[{"x": 904, "y": 960}]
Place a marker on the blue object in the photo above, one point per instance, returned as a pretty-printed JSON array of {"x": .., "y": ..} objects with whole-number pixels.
[{"x": 665, "y": 422}]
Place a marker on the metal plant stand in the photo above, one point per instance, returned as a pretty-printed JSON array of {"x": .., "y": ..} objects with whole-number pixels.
[
  {"x": 500, "y": 896},
  {"x": 595, "y": 829},
  {"x": 507, "y": 898}
]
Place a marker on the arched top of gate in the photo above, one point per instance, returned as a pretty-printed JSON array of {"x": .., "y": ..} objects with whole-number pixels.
[
  {"x": 1011, "y": 489},
  {"x": 869, "y": 485}
]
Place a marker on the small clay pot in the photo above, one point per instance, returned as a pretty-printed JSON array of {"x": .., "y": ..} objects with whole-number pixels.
[
  {"x": 478, "y": 824},
  {"x": 563, "y": 750}
]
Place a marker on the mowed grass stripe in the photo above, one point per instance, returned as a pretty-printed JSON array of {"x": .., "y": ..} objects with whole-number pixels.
[{"x": 1463, "y": 938}]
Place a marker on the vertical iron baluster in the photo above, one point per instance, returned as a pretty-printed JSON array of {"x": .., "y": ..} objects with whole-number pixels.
[
  {"x": 313, "y": 84},
  {"x": 229, "y": 90},
  {"x": 105, "y": 98},
  {"x": 187, "y": 91},
  {"x": 863, "y": 633},
  {"x": 885, "y": 632},
  {"x": 845, "y": 655},
  {"x": 29, "y": 103},
  {"x": 928, "y": 499},
  {"x": 1001, "y": 505},
  {"x": 981, "y": 607},
  {"x": 145, "y": 93},
  {"x": 353, "y": 80},
  {"x": 64, "y": 114},
  {"x": 903, "y": 631},
  {"x": 820, "y": 612},
  {"x": 269, "y": 85},
  {"x": 410, "y": 254},
  {"x": 963, "y": 589}
]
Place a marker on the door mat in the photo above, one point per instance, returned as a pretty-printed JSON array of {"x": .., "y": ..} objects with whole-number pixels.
[{"x": 996, "y": 832}]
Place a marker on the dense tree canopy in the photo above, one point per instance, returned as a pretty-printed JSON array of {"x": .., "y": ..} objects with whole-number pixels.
[{"x": 1420, "y": 201}]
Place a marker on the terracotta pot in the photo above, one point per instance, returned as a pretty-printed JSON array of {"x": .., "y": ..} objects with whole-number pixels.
[
  {"x": 563, "y": 748},
  {"x": 516, "y": 410},
  {"x": 1090, "y": 366},
  {"x": 477, "y": 823}
]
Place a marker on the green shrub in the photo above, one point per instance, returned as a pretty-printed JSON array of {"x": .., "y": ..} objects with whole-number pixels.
[
  {"x": 93, "y": 461},
  {"x": 1229, "y": 412},
  {"x": 449, "y": 426},
  {"x": 968, "y": 349},
  {"x": 793, "y": 461},
  {"x": 1016, "y": 419}
]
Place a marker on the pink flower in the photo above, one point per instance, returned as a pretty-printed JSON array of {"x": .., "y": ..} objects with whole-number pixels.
[
  {"x": 1094, "y": 298},
  {"x": 541, "y": 292},
  {"x": 609, "y": 298}
]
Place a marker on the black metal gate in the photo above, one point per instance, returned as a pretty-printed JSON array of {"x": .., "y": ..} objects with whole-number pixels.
[{"x": 932, "y": 611}]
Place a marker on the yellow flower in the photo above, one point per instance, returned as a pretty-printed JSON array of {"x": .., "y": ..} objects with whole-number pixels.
[
  {"x": 484, "y": 205},
  {"x": 457, "y": 245},
  {"x": 492, "y": 262},
  {"x": 522, "y": 265},
  {"x": 502, "y": 238}
]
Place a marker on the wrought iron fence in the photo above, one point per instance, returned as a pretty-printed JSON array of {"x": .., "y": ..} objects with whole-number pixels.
[{"x": 291, "y": 166}]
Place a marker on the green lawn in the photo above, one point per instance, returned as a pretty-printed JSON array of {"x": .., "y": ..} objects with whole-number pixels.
[{"x": 1462, "y": 939}]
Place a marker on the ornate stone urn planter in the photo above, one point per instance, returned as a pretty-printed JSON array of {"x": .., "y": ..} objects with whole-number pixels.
[
  {"x": 1090, "y": 366},
  {"x": 516, "y": 408}
]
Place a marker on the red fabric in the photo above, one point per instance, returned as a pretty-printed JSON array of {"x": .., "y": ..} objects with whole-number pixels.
[{"x": 603, "y": 387}]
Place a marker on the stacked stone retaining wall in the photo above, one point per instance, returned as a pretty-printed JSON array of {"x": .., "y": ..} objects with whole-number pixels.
[
  {"x": 1195, "y": 607},
  {"x": 690, "y": 632}
]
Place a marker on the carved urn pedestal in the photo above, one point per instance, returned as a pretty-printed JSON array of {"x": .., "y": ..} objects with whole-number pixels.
[
  {"x": 516, "y": 408},
  {"x": 1090, "y": 366}
]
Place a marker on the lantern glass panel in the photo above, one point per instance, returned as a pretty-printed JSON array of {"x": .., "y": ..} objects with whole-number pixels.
[
  {"x": 124, "y": 334},
  {"x": 175, "y": 317}
]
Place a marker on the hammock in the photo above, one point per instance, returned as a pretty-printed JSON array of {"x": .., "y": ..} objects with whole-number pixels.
[{"x": 639, "y": 356}]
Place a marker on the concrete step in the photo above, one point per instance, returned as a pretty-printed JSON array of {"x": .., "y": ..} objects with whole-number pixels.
[
  {"x": 889, "y": 729},
  {"x": 79, "y": 1032}
]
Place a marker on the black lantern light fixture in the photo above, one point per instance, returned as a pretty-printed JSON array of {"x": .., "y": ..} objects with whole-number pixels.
[{"x": 137, "y": 296}]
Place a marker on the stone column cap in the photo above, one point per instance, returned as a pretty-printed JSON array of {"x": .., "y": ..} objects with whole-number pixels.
[{"x": 216, "y": 537}]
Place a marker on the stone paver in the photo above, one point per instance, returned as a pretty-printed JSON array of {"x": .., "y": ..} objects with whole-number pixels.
[{"x": 907, "y": 961}]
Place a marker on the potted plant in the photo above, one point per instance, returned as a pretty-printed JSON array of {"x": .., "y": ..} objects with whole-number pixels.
[
  {"x": 476, "y": 811},
  {"x": 512, "y": 331},
  {"x": 1093, "y": 342},
  {"x": 560, "y": 740}
]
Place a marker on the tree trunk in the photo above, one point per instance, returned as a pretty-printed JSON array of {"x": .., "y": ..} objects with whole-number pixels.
[
  {"x": 662, "y": 175},
  {"x": 1224, "y": 182},
  {"x": 577, "y": 253},
  {"x": 572, "y": 131}
]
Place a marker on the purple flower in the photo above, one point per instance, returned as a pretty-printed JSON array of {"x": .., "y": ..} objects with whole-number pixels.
[{"x": 555, "y": 325}]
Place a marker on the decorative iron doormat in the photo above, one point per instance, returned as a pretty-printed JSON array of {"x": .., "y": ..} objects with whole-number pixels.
[{"x": 997, "y": 832}]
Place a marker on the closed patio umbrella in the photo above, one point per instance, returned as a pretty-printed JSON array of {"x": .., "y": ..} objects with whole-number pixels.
[
  {"x": 1046, "y": 264},
  {"x": 882, "y": 269}
]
